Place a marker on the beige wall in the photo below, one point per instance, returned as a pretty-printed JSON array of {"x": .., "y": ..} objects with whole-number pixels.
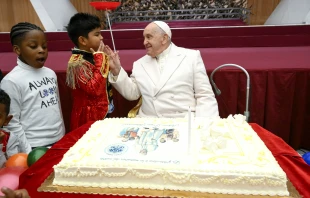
[
  {"x": 83, "y": 6},
  {"x": 14, "y": 11},
  {"x": 261, "y": 10}
]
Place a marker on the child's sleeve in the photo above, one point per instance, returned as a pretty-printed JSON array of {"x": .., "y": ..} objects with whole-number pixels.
[
  {"x": 2, "y": 154},
  {"x": 15, "y": 126},
  {"x": 102, "y": 63},
  {"x": 98, "y": 83},
  {"x": 2, "y": 157},
  {"x": 59, "y": 103},
  {"x": 12, "y": 146}
]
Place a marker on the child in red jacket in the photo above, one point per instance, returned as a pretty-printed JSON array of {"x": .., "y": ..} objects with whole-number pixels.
[{"x": 87, "y": 71}]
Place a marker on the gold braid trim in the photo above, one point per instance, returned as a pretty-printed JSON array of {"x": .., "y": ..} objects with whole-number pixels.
[
  {"x": 81, "y": 70},
  {"x": 104, "y": 70}
]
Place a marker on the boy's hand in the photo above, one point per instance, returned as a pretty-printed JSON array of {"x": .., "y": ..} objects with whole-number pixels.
[
  {"x": 9, "y": 193},
  {"x": 2, "y": 136},
  {"x": 115, "y": 63},
  {"x": 100, "y": 48}
]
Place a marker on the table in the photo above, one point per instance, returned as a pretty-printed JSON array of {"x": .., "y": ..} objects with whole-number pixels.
[{"x": 296, "y": 169}]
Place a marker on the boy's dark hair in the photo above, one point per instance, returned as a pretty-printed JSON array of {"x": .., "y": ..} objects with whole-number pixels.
[
  {"x": 6, "y": 100},
  {"x": 80, "y": 25},
  {"x": 19, "y": 30}
]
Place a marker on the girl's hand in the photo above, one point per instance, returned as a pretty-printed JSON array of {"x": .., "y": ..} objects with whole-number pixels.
[{"x": 9, "y": 193}]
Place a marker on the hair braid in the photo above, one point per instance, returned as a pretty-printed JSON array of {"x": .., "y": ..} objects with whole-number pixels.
[{"x": 19, "y": 30}]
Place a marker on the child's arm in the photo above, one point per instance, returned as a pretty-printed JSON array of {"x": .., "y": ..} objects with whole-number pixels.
[
  {"x": 2, "y": 158},
  {"x": 15, "y": 126},
  {"x": 2, "y": 155},
  {"x": 59, "y": 103},
  {"x": 12, "y": 146}
]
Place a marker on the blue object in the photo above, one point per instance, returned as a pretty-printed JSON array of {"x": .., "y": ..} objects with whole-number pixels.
[
  {"x": 306, "y": 157},
  {"x": 116, "y": 149}
]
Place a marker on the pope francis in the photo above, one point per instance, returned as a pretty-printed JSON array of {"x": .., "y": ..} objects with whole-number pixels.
[{"x": 170, "y": 79}]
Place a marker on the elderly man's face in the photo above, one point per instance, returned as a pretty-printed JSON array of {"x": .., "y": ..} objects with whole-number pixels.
[{"x": 154, "y": 40}]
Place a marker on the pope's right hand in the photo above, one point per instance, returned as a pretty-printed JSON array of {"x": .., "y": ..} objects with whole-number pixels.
[{"x": 114, "y": 61}]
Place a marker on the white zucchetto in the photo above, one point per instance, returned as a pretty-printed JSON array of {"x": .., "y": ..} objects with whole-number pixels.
[{"x": 164, "y": 26}]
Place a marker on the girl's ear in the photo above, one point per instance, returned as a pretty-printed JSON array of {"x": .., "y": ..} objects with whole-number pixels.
[
  {"x": 82, "y": 40},
  {"x": 16, "y": 49}
]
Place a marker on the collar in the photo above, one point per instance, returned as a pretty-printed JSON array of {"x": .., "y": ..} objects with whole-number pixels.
[
  {"x": 86, "y": 55},
  {"x": 164, "y": 53},
  {"x": 26, "y": 66}
]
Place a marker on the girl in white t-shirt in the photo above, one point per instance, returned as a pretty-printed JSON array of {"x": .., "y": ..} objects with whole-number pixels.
[{"x": 33, "y": 89}]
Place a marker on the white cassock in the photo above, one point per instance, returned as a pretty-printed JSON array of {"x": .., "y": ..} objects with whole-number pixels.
[{"x": 182, "y": 83}]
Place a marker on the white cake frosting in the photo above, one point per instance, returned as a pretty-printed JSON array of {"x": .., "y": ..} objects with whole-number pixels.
[{"x": 221, "y": 156}]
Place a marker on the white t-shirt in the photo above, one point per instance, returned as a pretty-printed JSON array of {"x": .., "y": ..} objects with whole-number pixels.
[{"x": 35, "y": 106}]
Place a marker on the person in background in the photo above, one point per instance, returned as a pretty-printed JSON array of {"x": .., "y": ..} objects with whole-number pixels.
[
  {"x": 170, "y": 79},
  {"x": 87, "y": 71},
  {"x": 8, "y": 142},
  {"x": 33, "y": 89}
]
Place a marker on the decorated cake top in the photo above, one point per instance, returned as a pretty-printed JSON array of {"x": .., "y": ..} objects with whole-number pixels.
[
  {"x": 201, "y": 155},
  {"x": 164, "y": 143}
]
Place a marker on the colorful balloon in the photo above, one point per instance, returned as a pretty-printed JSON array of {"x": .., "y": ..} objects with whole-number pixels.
[
  {"x": 9, "y": 177},
  {"x": 36, "y": 154},
  {"x": 17, "y": 160}
]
